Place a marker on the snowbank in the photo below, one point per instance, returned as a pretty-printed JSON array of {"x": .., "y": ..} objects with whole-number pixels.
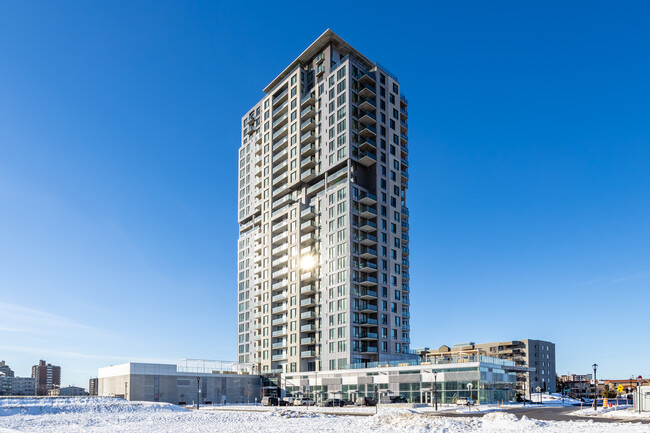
[{"x": 95, "y": 415}]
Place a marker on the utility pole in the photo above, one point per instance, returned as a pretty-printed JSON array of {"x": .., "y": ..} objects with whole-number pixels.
[
  {"x": 435, "y": 391},
  {"x": 595, "y": 366}
]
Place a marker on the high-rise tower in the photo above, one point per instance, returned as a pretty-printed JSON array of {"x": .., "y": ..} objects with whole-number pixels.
[{"x": 323, "y": 251}]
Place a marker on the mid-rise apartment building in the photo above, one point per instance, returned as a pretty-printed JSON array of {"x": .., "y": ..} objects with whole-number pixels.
[
  {"x": 47, "y": 377},
  {"x": 323, "y": 250},
  {"x": 536, "y": 359}
]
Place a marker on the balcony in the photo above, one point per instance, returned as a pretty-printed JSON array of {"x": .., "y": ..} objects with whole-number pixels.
[
  {"x": 367, "y": 280},
  {"x": 405, "y": 225},
  {"x": 367, "y": 118},
  {"x": 308, "y": 150},
  {"x": 308, "y": 125},
  {"x": 309, "y": 98},
  {"x": 279, "y": 332},
  {"x": 308, "y": 239},
  {"x": 280, "y": 144},
  {"x": 368, "y": 226},
  {"x": 368, "y": 253},
  {"x": 281, "y": 97},
  {"x": 366, "y": 212},
  {"x": 366, "y": 294},
  {"x": 367, "y": 198},
  {"x": 308, "y": 340},
  {"x": 366, "y": 91},
  {"x": 404, "y": 113},
  {"x": 308, "y": 175},
  {"x": 308, "y": 113},
  {"x": 277, "y": 286},
  {"x": 405, "y": 138},
  {"x": 367, "y": 267},
  {"x": 308, "y": 277},
  {"x": 368, "y": 144},
  {"x": 280, "y": 132},
  {"x": 308, "y": 137},
  {"x": 282, "y": 109},
  {"x": 280, "y": 178},
  {"x": 309, "y": 328},
  {"x": 319, "y": 58},
  {"x": 280, "y": 167},
  {"x": 280, "y": 320},
  {"x": 308, "y": 302},
  {"x": 367, "y": 308},
  {"x": 308, "y": 290},
  {"x": 403, "y": 126},
  {"x": 308, "y": 354},
  {"x": 368, "y": 336},
  {"x": 279, "y": 345},
  {"x": 308, "y": 315},
  {"x": 282, "y": 120},
  {"x": 405, "y": 174},
  {"x": 366, "y": 158},
  {"x": 368, "y": 131},
  {"x": 279, "y": 309},
  {"x": 280, "y": 156},
  {"x": 367, "y": 78},
  {"x": 320, "y": 70},
  {"x": 308, "y": 212},
  {"x": 279, "y": 357},
  {"x": 366, "y": 321},
  {"x": 368, "y": 349},
  {"x": 280, "y": 297},
  {"x": 404, "y": 161},
  {"x": 367, "y": 104},
  {"x": 309, "y": 162},
  {"x": 308, "y": 226},
  {"x": 279, "y": 226}
]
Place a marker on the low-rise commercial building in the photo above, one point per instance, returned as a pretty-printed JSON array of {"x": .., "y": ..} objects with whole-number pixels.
[
  {"x": 206, "y": 381},
  {"x": 68, "y": 391},
  {"x": 485, "y": 379}
]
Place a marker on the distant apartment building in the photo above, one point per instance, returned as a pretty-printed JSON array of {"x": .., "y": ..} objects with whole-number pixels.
[
  {"x": 13, "y": 385},
  {"x": 17, "y": 385},
  {"x": 323, "y": 250},
  {"x": 5, "y": 370},
  {"x": 47, "y": 377},
  {"x": 92, "y": 386},
  {"x": 536, "y": 357}
]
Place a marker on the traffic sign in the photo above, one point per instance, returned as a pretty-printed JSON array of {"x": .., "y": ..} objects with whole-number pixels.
[{"x": 619, "y": 388}]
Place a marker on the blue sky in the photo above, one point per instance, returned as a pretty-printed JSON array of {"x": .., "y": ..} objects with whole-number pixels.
[{"x": 119, "y": 128}]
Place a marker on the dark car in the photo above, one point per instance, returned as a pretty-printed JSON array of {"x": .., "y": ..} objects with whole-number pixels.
[
  {"x": 366, "y": 401},
  {"x": 398, "y": 399},
  {"x": 333, "y": 402}
]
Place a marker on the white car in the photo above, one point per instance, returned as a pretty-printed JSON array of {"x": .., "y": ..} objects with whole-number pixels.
[
  {"x": 303, "y": 402},
  {"x": 465, "y": 401}
]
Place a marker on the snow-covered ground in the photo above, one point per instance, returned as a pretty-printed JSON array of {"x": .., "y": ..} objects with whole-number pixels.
[
  {"x": 113, "y": 415},
  {"x": 626, "y": 412},
  {"x": 553, "y": 399}
]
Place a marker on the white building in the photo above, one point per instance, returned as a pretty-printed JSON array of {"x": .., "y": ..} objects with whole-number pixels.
[{"x": 323, "y": 251}]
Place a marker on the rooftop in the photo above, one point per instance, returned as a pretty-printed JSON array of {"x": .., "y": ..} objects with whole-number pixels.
[{"x": 328, "y": 37}]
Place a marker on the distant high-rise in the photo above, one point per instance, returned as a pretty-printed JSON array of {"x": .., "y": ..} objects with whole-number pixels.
[
  {"x": 5, "y": 370},
  {"x": 323, "y": 251},
  {"x": 47, "y": 377}
]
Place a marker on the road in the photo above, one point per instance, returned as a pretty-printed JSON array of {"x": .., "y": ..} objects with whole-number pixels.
[{"x": 546, "y": 414}]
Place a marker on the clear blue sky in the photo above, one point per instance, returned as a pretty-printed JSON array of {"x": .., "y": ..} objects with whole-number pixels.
[{"x": 119, "y": 130}]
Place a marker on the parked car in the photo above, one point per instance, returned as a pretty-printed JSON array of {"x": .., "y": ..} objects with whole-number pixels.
[
  {"x": 398, "y": 399},
  {"x": 366, "y": 401},
  {"x": 465, "y": 401},
  {"x": 273, "y": 401},
  {"x": 303, "y": 402},
  {"x": 333, "y": 402}
]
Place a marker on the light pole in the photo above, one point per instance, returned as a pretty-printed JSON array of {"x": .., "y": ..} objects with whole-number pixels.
[
  {"x": 469, "y": 399},
  {"x": 198, "y": 391},
  {"x": 539, "y": 392},
  {"x": 595, "y": 366},
  {"x": 435, "y": 389}
]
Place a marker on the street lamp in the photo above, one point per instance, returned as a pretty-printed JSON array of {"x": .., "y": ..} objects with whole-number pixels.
[
  {"x": 539, "y": 389},
  {"x": 198, "y": 391},
  {"x": 595, "y": 366},
  {"x": 469, "y": 390},
  {"x": 435, "y": 389}
]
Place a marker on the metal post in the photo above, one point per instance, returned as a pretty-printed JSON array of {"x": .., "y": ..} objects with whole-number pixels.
[
  {"x": 198, "y": 391},
  {"x": 595, "y": 366},
  {"x": 125, "y": 394},
  {"x": 435, "y": 391}
]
